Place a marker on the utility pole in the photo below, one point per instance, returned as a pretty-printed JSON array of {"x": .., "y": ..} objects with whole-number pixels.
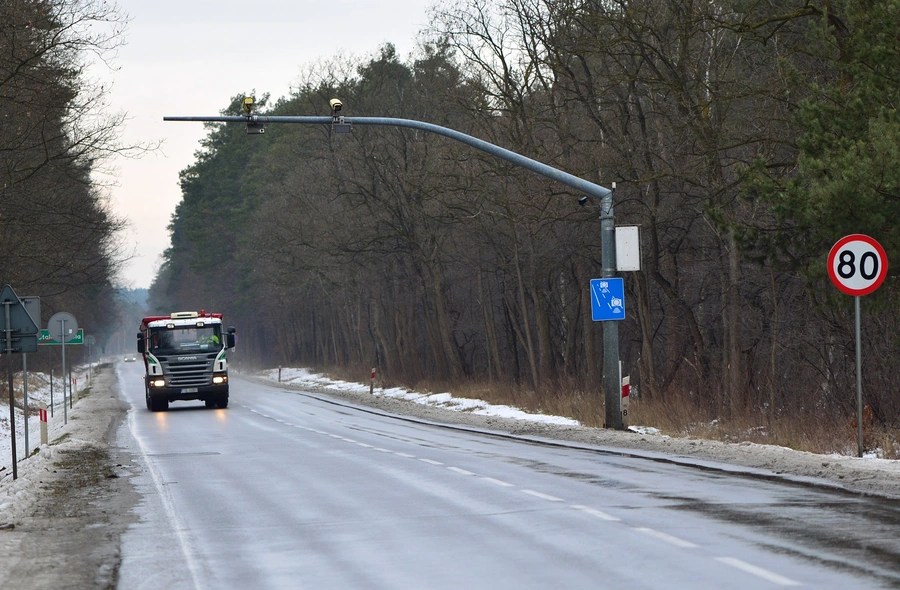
[
  {"x": 340, "y": 124},
  {"x": 612, "y": 388}
]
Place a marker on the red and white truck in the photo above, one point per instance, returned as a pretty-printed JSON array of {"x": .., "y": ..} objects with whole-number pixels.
[{"x": 185, "y": 358}]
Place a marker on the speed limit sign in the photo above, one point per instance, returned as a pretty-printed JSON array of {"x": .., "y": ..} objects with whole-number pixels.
[{"x": 857, "y": 264}]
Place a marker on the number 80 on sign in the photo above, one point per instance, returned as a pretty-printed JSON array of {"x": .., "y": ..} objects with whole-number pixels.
[{"x": 857, "y": 264}]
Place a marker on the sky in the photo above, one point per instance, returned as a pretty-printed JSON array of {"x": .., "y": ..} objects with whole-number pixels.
[{"x": 191, "y": 57}]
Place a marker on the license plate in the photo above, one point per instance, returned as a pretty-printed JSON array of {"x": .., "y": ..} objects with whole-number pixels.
[{"x": 189, "y": 390}]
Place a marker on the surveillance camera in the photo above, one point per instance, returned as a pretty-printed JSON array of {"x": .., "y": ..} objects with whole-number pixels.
[
  {"x": 583, "y": 201},
  {"x": 336, "y": 105},
  {"x": 248, "y": 105}
]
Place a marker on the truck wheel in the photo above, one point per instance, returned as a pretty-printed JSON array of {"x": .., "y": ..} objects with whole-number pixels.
[
  {"x": 159, "y": 405},
  {"x": 223, "y": 401},
  {"x": 148, "y": 400}
]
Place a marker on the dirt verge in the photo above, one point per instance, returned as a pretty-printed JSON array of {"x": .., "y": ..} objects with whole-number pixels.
[{"x": 61, "y": 520}]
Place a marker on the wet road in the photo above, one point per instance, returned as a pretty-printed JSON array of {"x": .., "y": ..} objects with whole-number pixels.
[{"x": 284, "y": 490}]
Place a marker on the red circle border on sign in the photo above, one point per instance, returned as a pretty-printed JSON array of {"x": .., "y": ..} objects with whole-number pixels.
[{"x": 882, "y": 274}]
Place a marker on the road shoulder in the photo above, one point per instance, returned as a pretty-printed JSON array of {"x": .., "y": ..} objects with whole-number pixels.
[{"x": 63, "y": 518}]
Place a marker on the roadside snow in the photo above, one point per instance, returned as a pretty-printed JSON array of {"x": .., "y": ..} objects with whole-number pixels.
[
  {"x": 38, "y": 391},
  {"x": 304, "y": 377},
  {"x": 868, "y": 474}
]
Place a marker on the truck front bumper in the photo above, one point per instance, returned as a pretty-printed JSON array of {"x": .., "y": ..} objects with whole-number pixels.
[{"x": 202, "y": 392}]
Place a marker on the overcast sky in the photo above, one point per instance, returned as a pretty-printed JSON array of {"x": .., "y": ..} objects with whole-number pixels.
[{"x": 191, "y": 57}]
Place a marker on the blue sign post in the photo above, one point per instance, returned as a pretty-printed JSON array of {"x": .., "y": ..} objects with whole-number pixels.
[{"x": 607, "y": 299}]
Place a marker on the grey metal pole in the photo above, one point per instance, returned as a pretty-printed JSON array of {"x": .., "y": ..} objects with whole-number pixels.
[
  {"x": 859, "y": 398},
  {"x": 62, "y": 332},
  {"x": 611, "y": 387},
  {"x": 25, "y": 396},
  {"x": 12, "y": 405},
  {"x": 50, "y": 354},
  {"x": 502, "y": 153}
]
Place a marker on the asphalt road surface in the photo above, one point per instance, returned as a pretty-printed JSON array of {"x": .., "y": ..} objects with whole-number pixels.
[{"x": 291, "y": 490}]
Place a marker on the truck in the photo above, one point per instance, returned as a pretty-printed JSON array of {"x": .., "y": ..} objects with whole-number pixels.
[{"x": 185, "y": 358}]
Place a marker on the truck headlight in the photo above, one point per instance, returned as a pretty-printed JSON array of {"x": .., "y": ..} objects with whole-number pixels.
[
  {"x": 158, "y": 383},
  {"x": 219, "y": 379}
]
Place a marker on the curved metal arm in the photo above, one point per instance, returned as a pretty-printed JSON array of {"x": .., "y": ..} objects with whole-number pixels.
[{"x": 505, "y": 154}]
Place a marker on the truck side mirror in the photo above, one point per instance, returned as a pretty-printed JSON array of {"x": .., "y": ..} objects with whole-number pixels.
[
  {"x": 140, "y": 343},
  {"x": 229, "y": 340}
]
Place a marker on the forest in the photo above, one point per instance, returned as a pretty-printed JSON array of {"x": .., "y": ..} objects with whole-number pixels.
[
  {"x": 59, "y": 239},
  {"x": 743, "y": 138}
]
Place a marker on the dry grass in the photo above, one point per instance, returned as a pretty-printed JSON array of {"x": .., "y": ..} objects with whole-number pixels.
[{"x": 676, "y": 414}]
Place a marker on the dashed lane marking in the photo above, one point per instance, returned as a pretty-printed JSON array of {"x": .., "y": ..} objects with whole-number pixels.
[
  {"x": 499, "y": 482},
  {"x": 597, "y": 513},
  {"x": 666, "y": 537},
  {"x": 542, "y": 496},
  {"x": 758, "y": 571}
]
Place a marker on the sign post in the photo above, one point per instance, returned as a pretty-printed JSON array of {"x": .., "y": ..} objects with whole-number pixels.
[
  {"x": 63, "y": 327},
  {"x": 33, "y": 307},
  {"x": 857, "y": 265},
  {"x": 18, "y": 334}
]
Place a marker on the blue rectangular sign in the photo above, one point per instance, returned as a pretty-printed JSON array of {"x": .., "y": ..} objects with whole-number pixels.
[{"x": 607, "y": 299}]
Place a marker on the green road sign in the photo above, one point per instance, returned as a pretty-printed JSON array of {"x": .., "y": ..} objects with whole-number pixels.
[{"x": 44, "y": 338}]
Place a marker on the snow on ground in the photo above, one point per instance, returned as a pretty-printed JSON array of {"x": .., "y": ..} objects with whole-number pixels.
[
  {"x": 304, "y": 377},
  {"x": 868, "y": 474},
  {"x": 38, "y": 391}
]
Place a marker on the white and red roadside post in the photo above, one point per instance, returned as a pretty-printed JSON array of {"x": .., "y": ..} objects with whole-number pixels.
[
  {"x": 625, "y": 386},
  {"x": 42, "y": 412},
  {"x": 372, "y": 383},
  {"x": 857, "y": 265}
]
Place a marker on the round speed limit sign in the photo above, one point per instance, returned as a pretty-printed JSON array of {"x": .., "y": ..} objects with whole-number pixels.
[{"x": 857, "y": 264}]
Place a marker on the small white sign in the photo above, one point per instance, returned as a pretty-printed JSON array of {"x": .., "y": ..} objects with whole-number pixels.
[{"x": 628, "y": 248}]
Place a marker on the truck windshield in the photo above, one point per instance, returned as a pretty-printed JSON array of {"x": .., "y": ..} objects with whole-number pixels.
[{"x": 181, "y": 339}]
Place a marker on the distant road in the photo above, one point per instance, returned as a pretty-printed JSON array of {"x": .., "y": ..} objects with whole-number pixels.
[{"x": 283, "y": 490}]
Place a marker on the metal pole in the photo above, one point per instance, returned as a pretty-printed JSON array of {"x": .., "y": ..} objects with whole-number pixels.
[
  {"x": 9, "y": 373},
  {"x": 859, "y": 403},
  {"x": 25, "y": 396},
  {"x": 50, "y": 353},
  {"x": 62, "y": 332},
  {"x": 611, "y": 387},
  {"x": 502, "y": 153}
]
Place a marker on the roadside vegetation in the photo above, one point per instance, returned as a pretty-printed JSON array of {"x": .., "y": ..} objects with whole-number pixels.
[
  {"x": 743, "y": 139},
  {"x": 59, "y": 239}
]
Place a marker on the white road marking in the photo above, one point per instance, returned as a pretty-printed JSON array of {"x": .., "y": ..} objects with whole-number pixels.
[
  {"x": 407, "y": 455},
  {"x": 365, "y": 445},
  {"x": 431, "y": 461},
  {"x": 667, "y": 538},
  {"x": 383, "y": 450},
  {"x": 168, "y": 504},
  {"x": 460, "y": 471},
  {"x": 542, "y": 495},
  {"x": 758, "y": 571},
  {"x": 499, "y": 482},
  {"x": 597, "y": 513}
]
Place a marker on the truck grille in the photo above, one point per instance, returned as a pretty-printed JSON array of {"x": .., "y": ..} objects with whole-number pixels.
[{"x": 193, "y": 370}]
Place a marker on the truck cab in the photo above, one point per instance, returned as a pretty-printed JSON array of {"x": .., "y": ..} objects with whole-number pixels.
[{"x": 185, "y": 358}]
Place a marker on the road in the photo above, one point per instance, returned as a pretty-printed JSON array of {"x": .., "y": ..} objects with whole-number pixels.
[{"x": 291, "y": 490}]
